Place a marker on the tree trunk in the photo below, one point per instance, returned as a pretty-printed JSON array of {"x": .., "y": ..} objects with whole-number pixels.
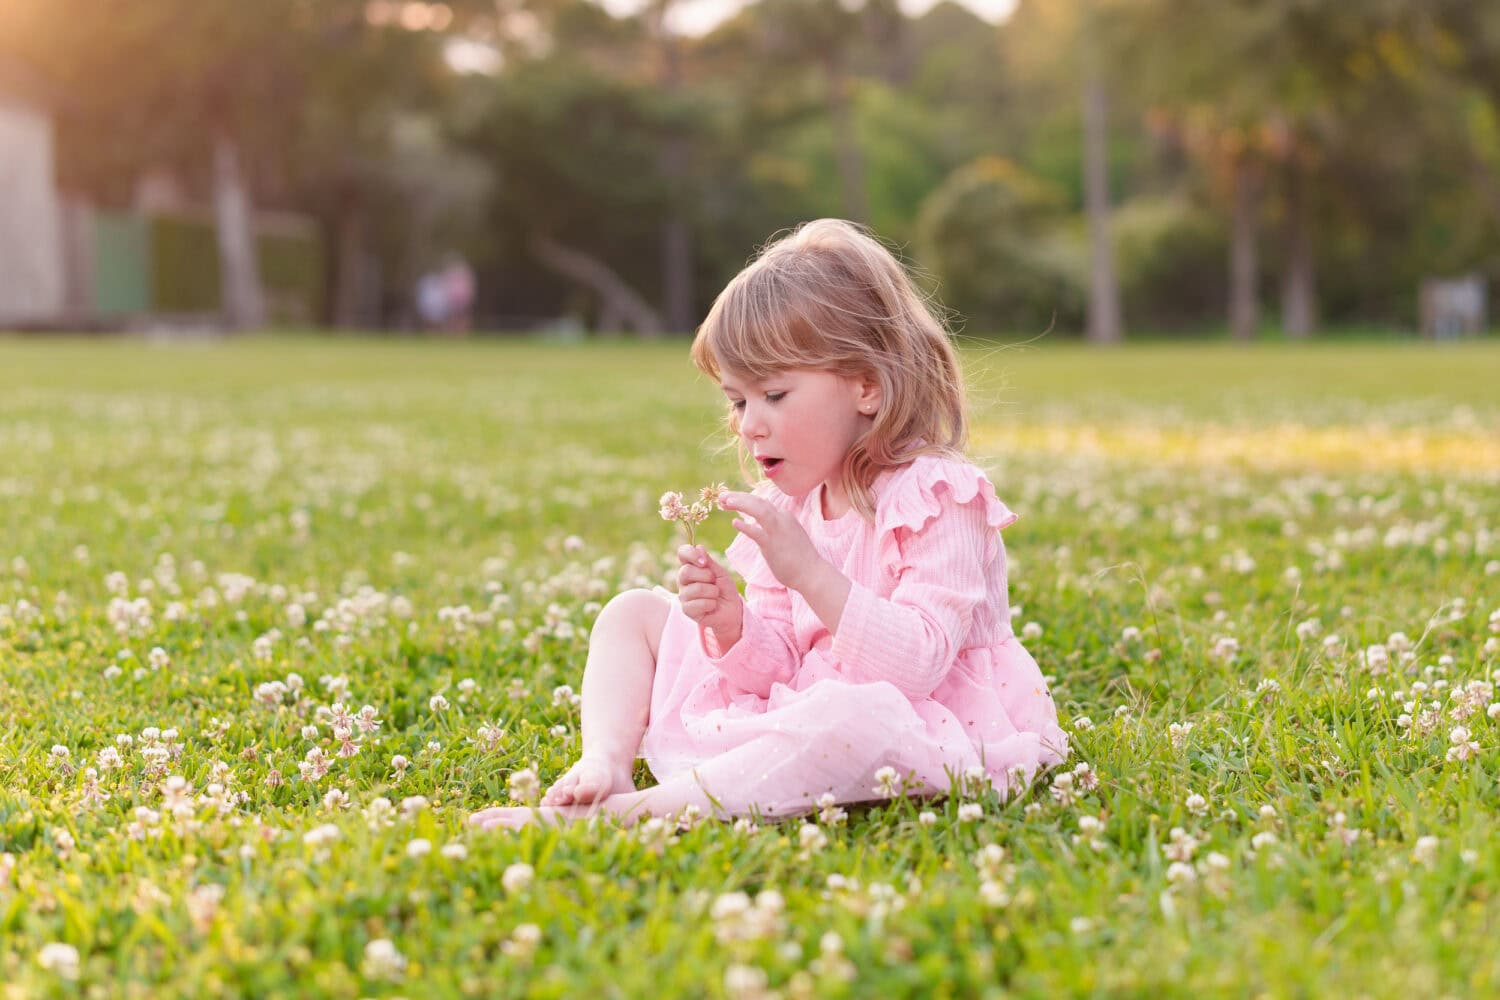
[
  {"x": 242, "y": 299},
  {"x": 846, "y": 140},
  {"x": 677, "y": 271},
  {"x": 617, "y": 298},
  {"x": 1104, "y": 325},
  {"x": 1299, "y": 302},
  {"x": 349, "y": 267},
  {"x": 676, "y": 238},
  {"x": 1244, "y": 267}
]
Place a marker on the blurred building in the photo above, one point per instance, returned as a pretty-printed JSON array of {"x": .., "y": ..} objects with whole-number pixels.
[
  {"x": 66, "y": 264},
  {"x": 33, "y": 281}
]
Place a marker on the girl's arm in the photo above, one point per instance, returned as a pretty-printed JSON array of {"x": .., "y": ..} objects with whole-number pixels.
[
  {"x": 909, "y": 639},
  {"x": 912, "y": 637},
  {"x": 765, "y": 651}
]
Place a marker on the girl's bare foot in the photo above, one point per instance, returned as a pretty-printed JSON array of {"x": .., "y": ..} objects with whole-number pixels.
[
  {"x": 590, "y": 780},
  {"x": 515, "y": 817}
]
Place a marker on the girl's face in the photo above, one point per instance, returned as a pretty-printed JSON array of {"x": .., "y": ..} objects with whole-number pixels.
[{"x": 799, "y": 424}]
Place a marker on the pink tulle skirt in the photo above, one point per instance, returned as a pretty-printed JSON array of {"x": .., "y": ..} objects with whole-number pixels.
[{"x": 823, "y": 734}]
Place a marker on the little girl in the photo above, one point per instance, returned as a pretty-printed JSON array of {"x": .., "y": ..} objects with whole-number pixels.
[{"x": 874, "y": 631}]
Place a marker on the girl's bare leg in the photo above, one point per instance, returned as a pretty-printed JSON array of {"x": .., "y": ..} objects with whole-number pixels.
[
  {"x": 627, "y": 808},
  {"x": 616, "y": 698}
]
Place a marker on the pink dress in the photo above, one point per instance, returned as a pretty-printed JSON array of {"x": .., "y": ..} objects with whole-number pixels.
[{"x": 924, "y": 674}]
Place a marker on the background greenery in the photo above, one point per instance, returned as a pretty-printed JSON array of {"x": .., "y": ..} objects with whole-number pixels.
[
  {"x": 1194, "y": 493},
  {"x": 1351, "y": 147}
]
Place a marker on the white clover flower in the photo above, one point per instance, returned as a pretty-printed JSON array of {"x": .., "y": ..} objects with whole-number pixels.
[
  {"x": 413, "y": 804},
  {"x": 1340, "y": 830},
  {"x": 418, "y": 847},
  {"x": 927, "y": 817},
  {"x": 1178, "y": 732},
  {"x": 524, "y": 785},
  {"x": 1376, "y": 658},
  {"x": 1425, "y": 851},
  {"x": 383, "y": 960},
  {"x": 1225, "y": 647},
  {"x": 523, "y": 942},
  {"x": 1031, "y": 630},
  {"x": 379, "y": 813},
  {"x": 1063, "y": 790},
  {"x": 885, "y": 779},
  {"x": 811, "y": 838},
  {"x": 517, "y": 877},
  {"x": 315, "y": 766},
  {"x": 59, "y": 959},
  {"x": 321, "y": 836},
  {"x": 970, "y": 812},
  {"x": 1180, "y": 845},
  {"x": 670, "y": 506},
  {"x": 1463, "y": 747},
  {"x": 1196, "y": 804},
  {"x": 455, "y": 851},
  {"x": 993, "y": 895},
  {"x": 489, "y": 736},
  {"x": 1130, "y": 633},
  {"x": 437, "y": 703},
  {"x": 1083, "y": 723},
  {"x": 745, "y": 982},
  {"x": 829, "y": 811}
]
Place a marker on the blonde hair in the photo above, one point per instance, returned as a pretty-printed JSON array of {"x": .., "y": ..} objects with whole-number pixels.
[{"x": 829, "y": 296}]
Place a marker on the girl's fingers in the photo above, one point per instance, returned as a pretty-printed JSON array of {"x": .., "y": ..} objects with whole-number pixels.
[
  {"x": 750, "y": 528},
  {"x": 694, "y": 574}
]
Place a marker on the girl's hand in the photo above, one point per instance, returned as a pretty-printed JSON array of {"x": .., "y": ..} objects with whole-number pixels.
[
  {"x": 708, "y": 595},
  {"x": 783, "y": 544}
]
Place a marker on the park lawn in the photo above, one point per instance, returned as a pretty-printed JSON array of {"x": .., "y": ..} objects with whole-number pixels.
[{"x": 1265, "y": 581}]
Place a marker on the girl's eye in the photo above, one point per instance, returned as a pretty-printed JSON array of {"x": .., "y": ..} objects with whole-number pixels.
[
  {"x": 736, "y": 404},
  {"x": 775, "y": 397}
]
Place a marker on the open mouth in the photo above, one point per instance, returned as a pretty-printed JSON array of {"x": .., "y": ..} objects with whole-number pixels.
[{"x": 769, "y": 465}]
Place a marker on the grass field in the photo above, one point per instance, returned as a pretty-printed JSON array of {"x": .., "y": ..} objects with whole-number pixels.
[{"x": 1266, "y": 583}]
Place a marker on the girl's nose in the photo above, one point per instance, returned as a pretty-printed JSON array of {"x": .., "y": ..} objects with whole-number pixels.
[{"x": 751, "y": 424}]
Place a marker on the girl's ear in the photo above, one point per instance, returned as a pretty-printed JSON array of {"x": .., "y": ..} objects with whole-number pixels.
[{"x": 868, "y": 398}]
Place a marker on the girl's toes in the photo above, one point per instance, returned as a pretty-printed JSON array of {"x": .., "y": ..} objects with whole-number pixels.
[
  {"x": 595, "y": 780},
  {"x": 561, "y": 792}
]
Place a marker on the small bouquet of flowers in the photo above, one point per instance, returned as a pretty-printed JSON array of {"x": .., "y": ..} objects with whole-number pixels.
[{"x": 691, "y": 515}]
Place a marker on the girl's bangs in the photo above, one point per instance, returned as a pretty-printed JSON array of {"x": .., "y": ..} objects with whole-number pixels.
[{"x": 757, "y": 339}]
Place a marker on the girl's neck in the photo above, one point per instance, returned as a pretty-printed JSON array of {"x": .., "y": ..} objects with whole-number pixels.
[{"x": 832, "y": 502}]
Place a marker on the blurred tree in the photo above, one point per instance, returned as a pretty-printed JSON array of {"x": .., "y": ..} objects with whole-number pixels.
[
  {"x": 820, "y": 35},
  {"x": 579, "y": 185},
  {"x": 1104, "y": 290},
  {"x": 263, "y": 99},
  {"x": 676, "y": 236},
  {"x": 997, "y": 240},
  {"x": 1062, "y": 54}
]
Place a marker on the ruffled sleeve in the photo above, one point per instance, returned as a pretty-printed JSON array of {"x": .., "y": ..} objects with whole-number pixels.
[
  {"x": 937, "y": 524},
  {"x": 766, "y": 653}
]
